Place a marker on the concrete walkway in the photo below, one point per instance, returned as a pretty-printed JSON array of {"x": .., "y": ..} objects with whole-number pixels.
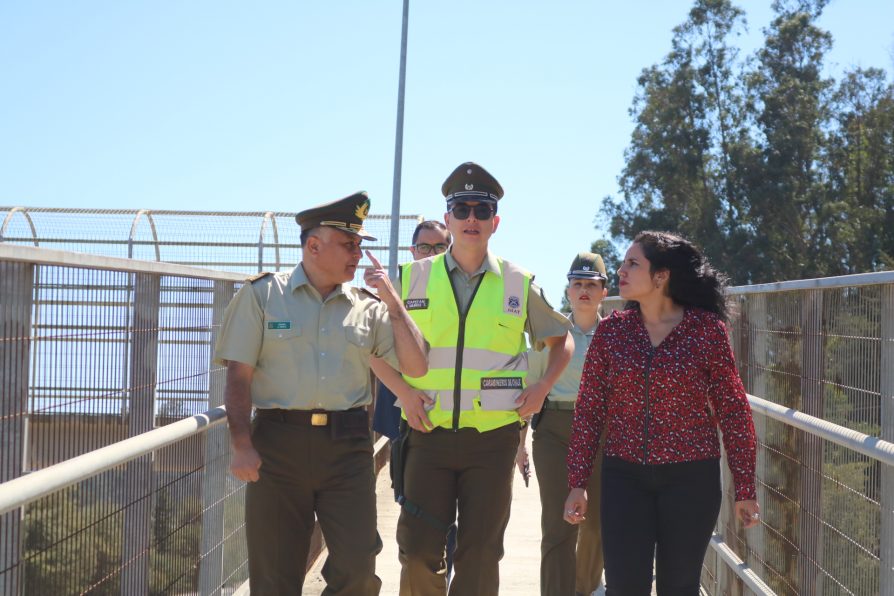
[{"x": 519, "y": 569}]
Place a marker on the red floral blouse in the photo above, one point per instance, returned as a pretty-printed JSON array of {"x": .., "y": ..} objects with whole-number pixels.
[{"x": 662, "y": 405}]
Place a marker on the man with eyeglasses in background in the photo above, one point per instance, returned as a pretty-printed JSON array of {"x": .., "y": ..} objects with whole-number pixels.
[{"x": 473, "y": 309}]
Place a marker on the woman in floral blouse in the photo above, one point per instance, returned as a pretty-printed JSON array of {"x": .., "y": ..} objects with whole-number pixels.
[{"x": 660, "y": 378}]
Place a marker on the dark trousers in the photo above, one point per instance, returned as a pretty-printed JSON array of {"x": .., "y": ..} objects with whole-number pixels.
[
  {"x": 446, "y": 472},
  {"x": 303, "y": 472},
  {"x": 664, "y": 513},
  {"x": 570, "y": 556}
]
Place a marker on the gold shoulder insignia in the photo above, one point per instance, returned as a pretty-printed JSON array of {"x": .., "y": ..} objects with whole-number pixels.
[
  {"x": 370, "y": 294},
  {"x": 260, "y": 275}
]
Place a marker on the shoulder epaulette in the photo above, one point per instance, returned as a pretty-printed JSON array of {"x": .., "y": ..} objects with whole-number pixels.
[
  {"x": 543, "y": 296},
  {"x": 370, "y": 294},
  {"x": 260, "y": 275}
]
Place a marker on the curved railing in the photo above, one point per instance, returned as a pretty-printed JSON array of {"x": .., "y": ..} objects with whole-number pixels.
[{"x": 97, "y": 350}]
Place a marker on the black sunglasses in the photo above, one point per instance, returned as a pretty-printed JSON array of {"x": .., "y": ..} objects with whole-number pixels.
[{"x": 482, "y": 212}]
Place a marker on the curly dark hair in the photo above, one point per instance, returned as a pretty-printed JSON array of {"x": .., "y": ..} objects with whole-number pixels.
[{"x": 692, "y": 281}]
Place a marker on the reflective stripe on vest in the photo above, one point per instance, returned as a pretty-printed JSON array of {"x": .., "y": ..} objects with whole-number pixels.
[{"x": 493, "y": 361}]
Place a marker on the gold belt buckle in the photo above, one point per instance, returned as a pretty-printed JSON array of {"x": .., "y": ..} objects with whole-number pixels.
[{"x": 319, "y": 419}]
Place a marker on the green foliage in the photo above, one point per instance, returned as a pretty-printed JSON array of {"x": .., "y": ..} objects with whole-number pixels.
[
  {"x": 73, "y": 544},
  {"x": 612, "y": 261},
  {"x": 176, "y": 536},
  {"x": 776, "y": 170}
]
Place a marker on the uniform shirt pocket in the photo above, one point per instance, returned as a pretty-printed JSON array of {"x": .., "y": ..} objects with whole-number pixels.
[
  {"x": 359, "y": 337},
  {"x": 281, "y": 347}
]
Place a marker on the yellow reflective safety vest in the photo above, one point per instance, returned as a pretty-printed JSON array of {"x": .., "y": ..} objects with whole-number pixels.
[{"x": 477, "y": 362}]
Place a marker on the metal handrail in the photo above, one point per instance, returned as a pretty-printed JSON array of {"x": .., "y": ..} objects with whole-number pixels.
[
  {"x": 24, "y": 489},
  {"x": 821, "y": 283},
  {"x": 739, "y": 567},
  {"x": 873, "y": 447},
  {"x": 65, "y": 258}
]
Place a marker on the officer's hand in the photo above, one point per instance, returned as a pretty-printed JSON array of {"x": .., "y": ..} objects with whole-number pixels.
[
  {"x": 245, "y": 464},
  {"x": 575, "y": 506},
  {"x": 521, "y": 458},
  {"x": 413, "y": 403},
  {"x": 531, "y": 399},
  {"x": 376, "y": 277}
]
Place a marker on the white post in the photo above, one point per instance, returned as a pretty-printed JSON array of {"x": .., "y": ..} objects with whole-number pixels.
[
  {"x": 886, "y": 542},
  {"x": 215, "y": 471},
  {"x": 139, "y": 477},
  {"x": 810, "y": 527},
  {"x": 16, "y": 287}
]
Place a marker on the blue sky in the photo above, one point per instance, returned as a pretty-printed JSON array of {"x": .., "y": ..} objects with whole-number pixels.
[{"x": 234, "y": 106}]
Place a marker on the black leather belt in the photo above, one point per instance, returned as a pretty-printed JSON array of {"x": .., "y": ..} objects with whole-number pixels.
[
  {"x": 567, "y": 406},
  {"x": 302, "y": 417}
]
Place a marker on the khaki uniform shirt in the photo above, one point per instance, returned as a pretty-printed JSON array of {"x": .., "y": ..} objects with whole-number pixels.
[
  {"x": 308, "y": 353},
  {"x": 542, "y": 321},
  {"x": 566, "y": 388}
]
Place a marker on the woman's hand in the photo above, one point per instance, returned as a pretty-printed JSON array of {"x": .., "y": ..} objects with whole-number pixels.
[
  {"x": 748, "y": 512},
  {"x": 576, "y": 506}
]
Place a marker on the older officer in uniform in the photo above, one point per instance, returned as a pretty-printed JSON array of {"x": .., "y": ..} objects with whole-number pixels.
[
  {"x": 297, "y": 347},
  {"x": 571, "y": 555},
  {"x": 473, "y": 309}
]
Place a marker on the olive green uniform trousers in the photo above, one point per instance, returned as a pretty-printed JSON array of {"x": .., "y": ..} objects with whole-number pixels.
[
  {"x": 465, "y": 471},
  {"x": 304, "y": 471},
  {"x": 571, "y": 556}
]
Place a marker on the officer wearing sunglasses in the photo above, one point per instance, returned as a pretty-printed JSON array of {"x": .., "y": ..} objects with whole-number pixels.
[{"x": 473, "y": 308}]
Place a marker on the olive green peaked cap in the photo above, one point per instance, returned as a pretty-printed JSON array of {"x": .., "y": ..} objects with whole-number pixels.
[
  {"x": 345, "y": 214},
  {"x": 471, "y": 182},
  {"x": 587, "y": 265}
]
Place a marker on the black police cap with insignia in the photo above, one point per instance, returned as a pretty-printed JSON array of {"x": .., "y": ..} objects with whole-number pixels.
[
  {"x": 587, "y": 265},
  {"x": 471, "y": 182},
  {"x": 345, "y": 214}
]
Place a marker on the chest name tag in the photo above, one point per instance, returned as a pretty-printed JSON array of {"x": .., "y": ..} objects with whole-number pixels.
[
  {"x": 416, "y": 303},
  {"x": 501, "y": 383},
  {"x": 279, "y": 324}
]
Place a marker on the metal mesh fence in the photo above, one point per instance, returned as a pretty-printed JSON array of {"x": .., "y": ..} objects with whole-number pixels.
[
  {"x": 246, "y": 242},
  {"x": 88, "y": 358},
  {"x": 137, "y": 529},
  {"x": 818, "y": 352}
]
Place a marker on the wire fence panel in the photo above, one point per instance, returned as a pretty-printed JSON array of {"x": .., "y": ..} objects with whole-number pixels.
[
  {"x": 817, "y": 351},
  {"x": 89, "y": 357},
  {"x": 112, "y": 534}
]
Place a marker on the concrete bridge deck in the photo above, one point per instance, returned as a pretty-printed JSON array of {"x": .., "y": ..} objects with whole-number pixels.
[{"x": 519, "y": 569}]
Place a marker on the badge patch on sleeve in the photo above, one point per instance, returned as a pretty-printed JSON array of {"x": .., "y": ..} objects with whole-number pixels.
[
  {"x": 416, "y": 303},
  {"x": 501, "y": 383},
  {"x": 279, "y": 324}
]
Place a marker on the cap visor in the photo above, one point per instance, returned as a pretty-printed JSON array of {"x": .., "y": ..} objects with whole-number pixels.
[
  {"x": 586, "y": 275},
  {"x": 471, "y": 199},
  {"x": 361, "y": 232}
]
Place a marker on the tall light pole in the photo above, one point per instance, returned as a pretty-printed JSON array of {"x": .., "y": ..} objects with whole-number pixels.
[{"x": 398, "y": 148}]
